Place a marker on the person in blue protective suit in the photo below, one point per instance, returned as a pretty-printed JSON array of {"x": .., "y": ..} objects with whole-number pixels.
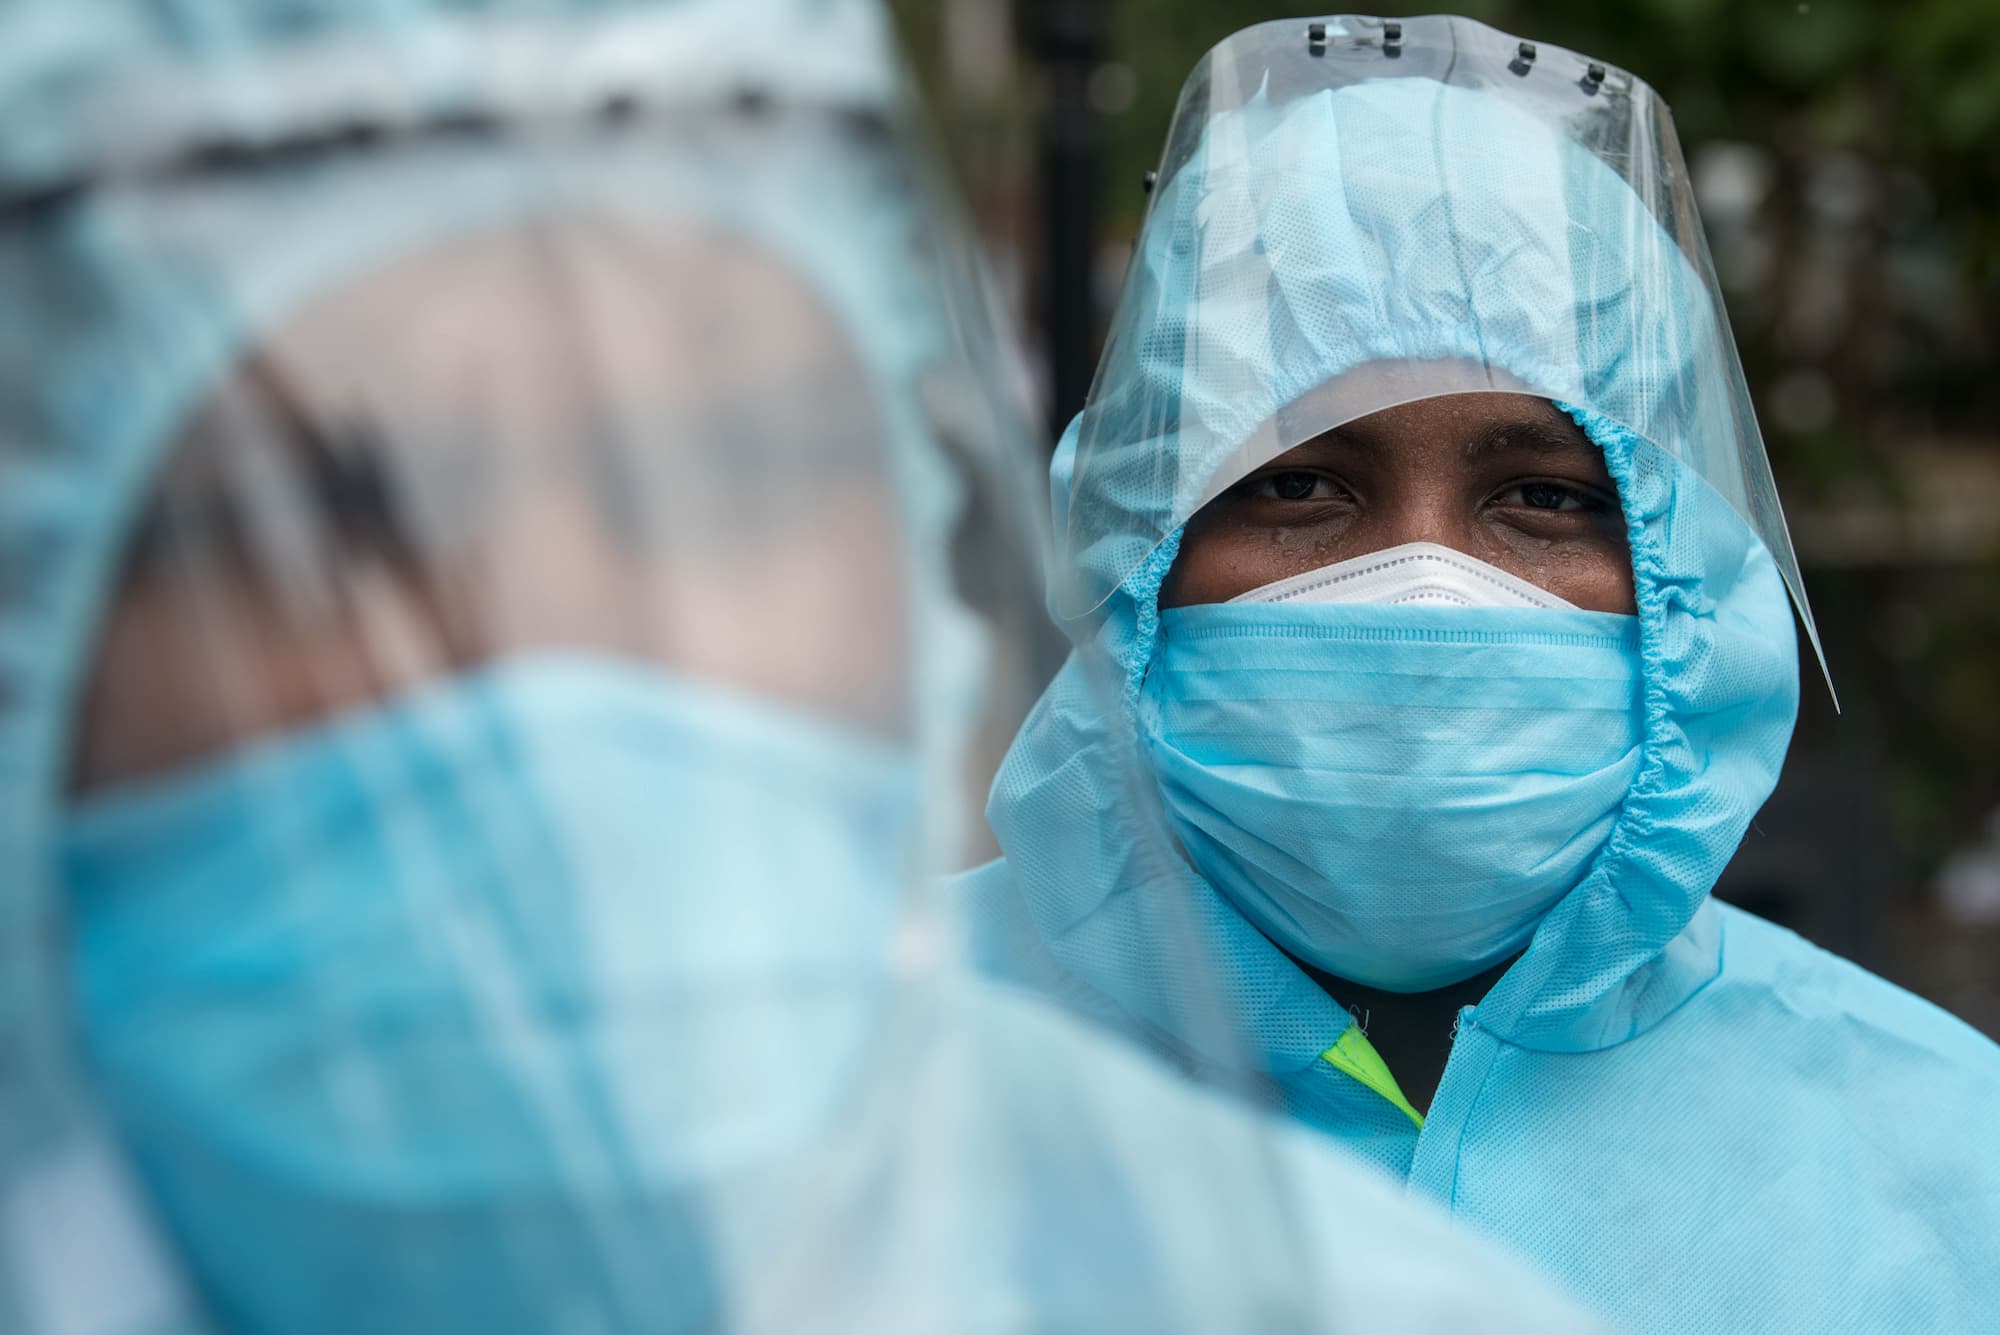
[
  {"x": 510, "y": 552},
  {"x": 1419, "y": 521}
]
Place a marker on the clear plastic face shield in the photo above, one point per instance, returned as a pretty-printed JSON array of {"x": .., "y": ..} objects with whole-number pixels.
[{"x": 1356, "y": 214}]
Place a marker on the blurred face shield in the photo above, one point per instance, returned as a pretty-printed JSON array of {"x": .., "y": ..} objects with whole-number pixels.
[
  {"x": 510, "y": 679},
  {"x": 565, "y": 582}
]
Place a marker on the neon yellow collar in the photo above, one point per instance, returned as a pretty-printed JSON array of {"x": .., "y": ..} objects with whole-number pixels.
[{"x": 1354, "y": 1055}]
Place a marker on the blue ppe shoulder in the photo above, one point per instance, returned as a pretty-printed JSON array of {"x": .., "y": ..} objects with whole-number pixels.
[
  {"x": 1801, "y": 1146},
  {"x": 1006, "y": 947},
  {"x": 1002, "y": 941}
]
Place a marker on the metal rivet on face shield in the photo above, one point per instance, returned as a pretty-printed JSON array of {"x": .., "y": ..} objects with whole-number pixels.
[
  {"x": 1316, "y": 38},
  {"x": 1392, "y": 38},
  {"x": 1148, "y": 181},
  {"x": 1527, "y": 53},
  {"x": 1593, "y": 79}
]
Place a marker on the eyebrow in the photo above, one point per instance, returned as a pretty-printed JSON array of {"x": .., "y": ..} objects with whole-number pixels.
[{"x": 1531, "y": 438}]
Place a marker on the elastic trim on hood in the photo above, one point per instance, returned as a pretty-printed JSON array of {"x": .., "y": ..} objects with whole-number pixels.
[{"x": 1721, "y": 691}]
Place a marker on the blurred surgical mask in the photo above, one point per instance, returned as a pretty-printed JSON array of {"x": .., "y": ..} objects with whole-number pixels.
[{"x": 399, "y": 1061}]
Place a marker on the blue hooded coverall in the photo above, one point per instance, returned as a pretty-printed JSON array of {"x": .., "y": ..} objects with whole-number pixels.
[{"x": 1696, "y": 1119}]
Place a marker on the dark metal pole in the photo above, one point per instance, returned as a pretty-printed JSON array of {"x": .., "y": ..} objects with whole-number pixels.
[{"x": 1068, "y": 40}]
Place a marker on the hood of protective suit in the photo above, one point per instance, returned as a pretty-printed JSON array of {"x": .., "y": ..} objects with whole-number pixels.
[{"x": 1517, "y": 261}]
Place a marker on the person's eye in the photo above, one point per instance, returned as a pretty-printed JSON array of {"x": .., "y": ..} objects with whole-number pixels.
[
  {"x": 1293, "y": 485},
  {"x": 1552, "y": 496}
]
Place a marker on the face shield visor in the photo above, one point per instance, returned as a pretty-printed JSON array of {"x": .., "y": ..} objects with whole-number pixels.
[{"x": 1353, "y": 214}]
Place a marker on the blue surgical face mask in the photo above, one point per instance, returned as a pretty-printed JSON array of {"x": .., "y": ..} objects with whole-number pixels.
[
  {"x": 1394, "y": 794},
  {"x": 433, "y": 1017}
]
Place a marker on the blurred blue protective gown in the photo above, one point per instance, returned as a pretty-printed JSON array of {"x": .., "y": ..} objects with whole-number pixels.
[
  {"x": 567, "y": 987},
  {"x": 1696, "y": 1119}
]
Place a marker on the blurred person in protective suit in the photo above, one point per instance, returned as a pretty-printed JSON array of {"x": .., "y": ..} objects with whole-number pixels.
[
  {"x": 1419, "y": 533},
  {"x": 511, "y": 567}
]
